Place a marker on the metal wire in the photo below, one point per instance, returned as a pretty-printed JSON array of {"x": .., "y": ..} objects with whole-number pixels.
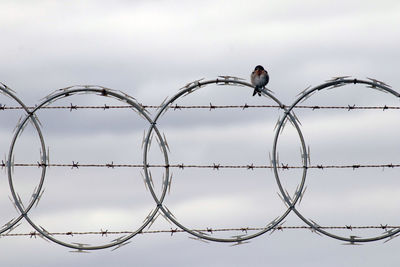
[
  {"x": 190, "y": 89},
  {"x": 214, "y": 166},
  {"x": 209, "y": 107},
  {"x": 59, "y": 94},
  {"x": 308, "y": 92},
  {"x": 160, "y": 209},
  {"x": 206, "y": 230}
]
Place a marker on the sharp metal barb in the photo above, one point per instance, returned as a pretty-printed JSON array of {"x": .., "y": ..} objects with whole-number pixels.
[
  {"x": 165, "y": 110},
  {"x": 144, "y": 180},
  {"x": 304, "y": 91},
  {"x": 153, "y": 220},
  {"x": 165, "y": 217},
  {"x": 79, "y": 251},
  {"x": 143, "y": 110},
  {"x": 307, "y": 96},
  {"x": 185, "y": 86},
  {"x": 159, "y": 145},
  {"x": 240, "y": 243},
  {"x": 20, "y": 201},
  {"x": 169, "y": 183},
  {"x": 338, "y": 78},
  {"x": 119, "y": 239},
  {"x": 352, "y": 241},
  {"x": 39, "y": 197},
  {"x": 144, "y": 138},
  {"x": 283, "y": 125},
  {"x": 202, "y": 233},
  {"x": 44, "y": 230},
  {"x": 162, "y": 103},
  {"x": 18, "y": 124},
  {"x": 277, "y": 123},
  {"x": 7, "y": 88},
  {"x": 12, "y": 163},
  {"x": 151, "y": 178},
  {"x": 303, "y": 155},
  {"x": 166, "y": 143},
  {"x": 164, "y": 183},
  {"x": 7, "y": 224},
  {"x": 150, "y": 140},
  {"x": 295, "y": 117},
  {"x": 272, "y": 223},
  {"x": 128, "y": 96},
  {"x": 392, "y": 236},
  {"x": 34, "y": 194},
  {"x": 238, "y": 236},
  {"x": 170, "y": 213},
  {"x": 37, "y": 119},
  {"x": 13, "y": 228},
  {"x": 288, "y": 196},
  {"x": 148, "y": 216},
  {"x": 379, "y": 82},
  {"x": 302, "y": 194},
  {"x": 121, "y": 245},
  {"x": 378, "y": 89},
  {"x": 81, "y": 245},
  {"x": 271, "y": 163},
  {"x": 277, "y": 159},
  {"x": 281, "y": 197},
  {"x": 278, "y": 227},
  {"x": 336, "y": 85},
  {"x": 43, "y": 237},
  {"x": 314, "y": 227}
]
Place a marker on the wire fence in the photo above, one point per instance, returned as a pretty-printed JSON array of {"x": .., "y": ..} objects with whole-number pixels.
[
  {"x": 209, "y": 107},
  {"x": 214, "y": 166},
  {"x": 205, "y": 230},
  {"x": 206, "y": 234}
]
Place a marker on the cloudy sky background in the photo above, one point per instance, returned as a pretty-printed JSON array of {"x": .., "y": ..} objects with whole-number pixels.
[{"x": 150, "y": 49}]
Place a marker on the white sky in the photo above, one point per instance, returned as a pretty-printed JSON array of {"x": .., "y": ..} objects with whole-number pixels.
[{"x": 149, "y": 49}]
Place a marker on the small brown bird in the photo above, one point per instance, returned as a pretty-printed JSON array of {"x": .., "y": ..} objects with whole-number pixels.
[{"x": 259, "y": 79}]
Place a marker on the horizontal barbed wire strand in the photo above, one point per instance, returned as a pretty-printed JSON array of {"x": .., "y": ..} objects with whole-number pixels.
[
  {"x": 210, "y": 106},
  {"x": 213, "y": 166},
  {"x": 207, "y": 230}
]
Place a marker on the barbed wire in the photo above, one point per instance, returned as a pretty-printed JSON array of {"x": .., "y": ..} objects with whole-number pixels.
[
  {"x": 161, "y": 209},
  {"x": 214, "y": 166},
  {"x": 209, "y": 230},
  {"x": 209, "y": 107}
]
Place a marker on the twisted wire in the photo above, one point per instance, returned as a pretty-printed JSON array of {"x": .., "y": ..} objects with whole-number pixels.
[
  {"x": 205, "y": 230},
  {"x": 213, "y": 166},
  {"x": 210, "y": 107},
  {"x": 276, "y": 224}
]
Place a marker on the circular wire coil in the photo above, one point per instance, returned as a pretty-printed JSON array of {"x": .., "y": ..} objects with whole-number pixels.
[
  {"x": 62, "y": 93},
  {"x": 5, "y": 90},
  {"x": 159, "y": 200},
  {"x": 161, "y": 208},
  {"x": 338, "y": 82}
]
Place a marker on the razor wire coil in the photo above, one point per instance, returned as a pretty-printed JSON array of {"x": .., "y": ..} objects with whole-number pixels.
[{"x": 160, "y": 208}]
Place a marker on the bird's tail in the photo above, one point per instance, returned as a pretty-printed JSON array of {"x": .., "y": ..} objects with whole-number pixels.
[{"x": 256, "y": 90}]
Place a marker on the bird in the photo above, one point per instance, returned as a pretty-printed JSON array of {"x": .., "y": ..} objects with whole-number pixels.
[{"x": 259, "y": 79}]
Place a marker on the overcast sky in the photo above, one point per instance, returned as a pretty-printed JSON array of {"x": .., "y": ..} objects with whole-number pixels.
[{"x": 150, "y": 49}]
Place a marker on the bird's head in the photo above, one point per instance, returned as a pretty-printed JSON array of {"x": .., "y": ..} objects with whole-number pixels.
[{"x": 258, "y": 69}]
